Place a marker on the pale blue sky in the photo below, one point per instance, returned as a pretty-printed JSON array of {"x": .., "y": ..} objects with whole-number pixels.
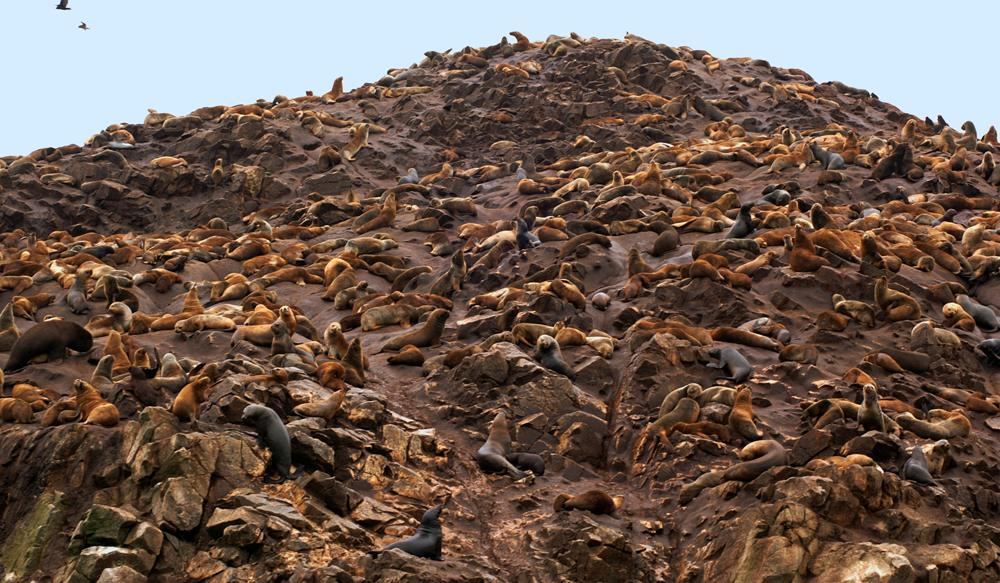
[{"x": 180, "y": 55}]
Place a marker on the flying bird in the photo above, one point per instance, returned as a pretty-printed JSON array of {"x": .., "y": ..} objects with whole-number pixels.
[
  {"x": 84, "y": 26},
  {"x": 63, "y": 5}
]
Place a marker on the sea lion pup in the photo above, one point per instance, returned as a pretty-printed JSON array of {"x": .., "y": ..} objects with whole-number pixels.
[
  {"x": 141, "y": 388},
  {"x": 984, "y": 317},
  {"x": 828, "y": 160},
  {"x": 16, "y": 411},
  {"x": 594, "y": 501},
  {"x": 452, "y": 279},
  {"x": 407, "y": 356},
  {"x": 704, "y": 429},
  {"x": 326, "y": 409},
  {"x": 801, "y": 353},
  {"x": 426, "y": 542},
  {"x": 804, "y": 258},
  {"x": 732, "y": 361},
  {"x": 528, "y": 462},
  {"x": 551, "y": 357},
  {"x": 714, "y": 247},
  {"x": 743, "y": 227},
  {"x": 171, "y": 375},
  {"x": 8, "y": 329},
  {"x": 217, "y": 173},
  {"x": 895, "y": 305},
  {"x": 492, "y": 456},
  {"x": 859, "y": 311},
  {"x": 47, "y": 342},
  {"x": 525, "y": 239},
  {"x": 741, "y": 417},
  {"x": 870, "y": 414},
  {"x": 272, "y": 434},
  {"x": 187, "y": 404},
  {"x": 76, "y": 297},
  {"x": 427, "y": 335},
  {"x": 64, "y": 411},
  {"x": 601, "y": 301},
  {"x": 915, "y": 468},
  {"x": 359, "y": 141},
  {"x": 93, "y": 407}
]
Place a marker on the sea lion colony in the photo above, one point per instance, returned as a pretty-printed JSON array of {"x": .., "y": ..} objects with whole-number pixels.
[{"x": 535, "y": 251}]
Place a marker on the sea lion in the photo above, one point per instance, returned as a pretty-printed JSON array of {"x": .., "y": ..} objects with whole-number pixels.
[
  {"x": 916, "y": 469},
  {"x": 803, "y": 257},
  {"x": 870, "y": 414},
  {"x": 171, "y": 375},
  {"x": 743, "y": 227},
  {"x": 953, "y": 424},
  {"x": 601, "y": 301},
  {"x": 550, "y": 356},
  {"x": 187, "y": 404},
  {"x": 50, "y": 340},
  {"x": 8, "y": 329},
  {"x": 76, "y": 297},
  {"x": 452, "y": 279},
  {"x": 16, "y": 411},
  {"x": 801, "y": 353},
  {"x": 594, "y": 501},
  {"x": 525, "y": 238},
  {"x": 859, "y": 311},
  {"x": 492, "y": 456},
  {"x": 759, "y": 457},
  {"x": 896, "y": 305},
  {"x": 828, "y": 160},
  {"x": 827, "y": 320},
  {"x": 427, "y": 335},
  {"x": 272, "y": 434},
  {"x": 327, "y": 408},
  {"x": 528, "y": 462},
  {"x": 955, "y": 316},
  {"x": 732, "y": 361},
  {"x": 93, "y": 407},
  {"x": 426, "y": 542},
  {"x": 354, "y": 361},
  {"x": 742, "y": 415},
  {"x": 715, "y": 247},
  {"x": 984, "y": 317},
  {"x": 140, "y": 387},
  {"x": 746, "y": 338},
  {"x": 991, "y": 352}
]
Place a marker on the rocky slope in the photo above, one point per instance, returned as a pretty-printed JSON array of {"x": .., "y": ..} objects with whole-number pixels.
[{"x": 158, "y": 499}]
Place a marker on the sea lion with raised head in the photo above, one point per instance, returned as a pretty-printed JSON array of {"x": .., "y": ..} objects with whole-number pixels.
[
  {"x": 492, "y": 456},
  {"x": 426, "y": 542}
]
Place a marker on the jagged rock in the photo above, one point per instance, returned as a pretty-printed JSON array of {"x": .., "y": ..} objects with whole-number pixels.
[
  {"x": 122, "y": 574},
  {"x": 94, "y": 560},
  {"x": 146, "y": 537},
  {"x": 878, "y": 563},
  {"x": 367, "y": 415},
  {"x": 177, "y": 505},
  {"x": 102, "y": 526},
  {"x": 22, "y": 552}
]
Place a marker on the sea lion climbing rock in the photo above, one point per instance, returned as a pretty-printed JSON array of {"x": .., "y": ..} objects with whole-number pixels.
[{"x": 272, "y": 434}]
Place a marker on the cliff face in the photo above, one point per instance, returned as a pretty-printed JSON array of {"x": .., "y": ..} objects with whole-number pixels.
[{"x": 649, "y": 149}]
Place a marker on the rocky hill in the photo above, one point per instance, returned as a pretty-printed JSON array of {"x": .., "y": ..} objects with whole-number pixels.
[{"x": 631, "y": 163}]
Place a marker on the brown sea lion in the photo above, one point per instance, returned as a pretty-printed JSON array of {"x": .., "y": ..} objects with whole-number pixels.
[
  {"x": 93, "y": 407},
  {"x": 594, "y": 501}
]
